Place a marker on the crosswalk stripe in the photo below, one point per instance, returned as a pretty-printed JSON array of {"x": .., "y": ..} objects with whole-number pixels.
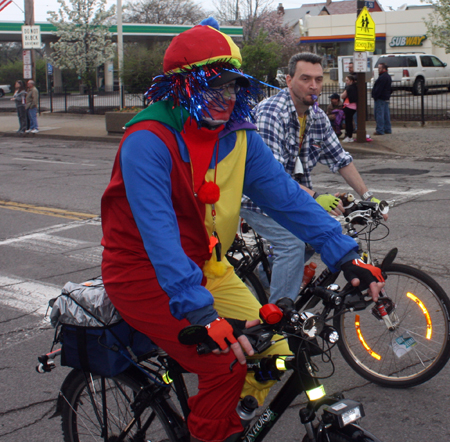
[{"x": 27, "y": 295}]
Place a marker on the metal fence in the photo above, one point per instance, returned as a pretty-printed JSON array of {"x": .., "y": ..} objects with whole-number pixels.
[
  {"x": 433, "y": 105},
  {"x": 404, "y": 106}
]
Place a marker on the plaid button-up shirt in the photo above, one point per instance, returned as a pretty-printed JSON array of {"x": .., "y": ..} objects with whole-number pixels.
[{"x": 278, "y": 125}]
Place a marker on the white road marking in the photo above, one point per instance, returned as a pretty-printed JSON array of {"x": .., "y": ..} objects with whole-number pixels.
[
  {"x": 27, "y": 295},
  {"x": 54, "y": 162},
  {"x": 52, "y": 229}
]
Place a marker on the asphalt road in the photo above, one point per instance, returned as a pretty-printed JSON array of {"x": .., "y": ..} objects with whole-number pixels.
[{"x": 50, "y": 234}]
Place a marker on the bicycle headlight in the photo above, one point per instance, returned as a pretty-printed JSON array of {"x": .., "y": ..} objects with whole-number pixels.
[{"x": 343, "y": 412}]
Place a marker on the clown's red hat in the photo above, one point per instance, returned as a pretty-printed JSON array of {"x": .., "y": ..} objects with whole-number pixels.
[{"x": 203, "y": 44}]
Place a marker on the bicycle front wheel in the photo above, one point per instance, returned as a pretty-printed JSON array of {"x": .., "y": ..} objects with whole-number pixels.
[
  {"x": 416, "y": 348},
  {"x": 93, "y": 413}
]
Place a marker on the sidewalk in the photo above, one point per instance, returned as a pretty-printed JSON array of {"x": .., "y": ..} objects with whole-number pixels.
[{"x": 408, "y": 138}]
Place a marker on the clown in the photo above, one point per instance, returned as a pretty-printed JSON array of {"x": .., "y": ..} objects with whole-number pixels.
[{"x": 171, "y": 210}]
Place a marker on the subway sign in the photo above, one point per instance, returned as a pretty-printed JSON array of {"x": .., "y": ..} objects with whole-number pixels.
[{"x": 397, "y": 42}]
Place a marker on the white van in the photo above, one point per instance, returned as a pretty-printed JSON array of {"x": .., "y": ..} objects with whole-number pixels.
[{"x": 415, "y": 72}]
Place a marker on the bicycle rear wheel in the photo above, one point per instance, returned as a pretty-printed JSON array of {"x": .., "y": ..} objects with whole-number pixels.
[
  {"x": 251, "y": 281},
  {"x": 416, "y": 349},
  {"x": 85, "y": 416}
]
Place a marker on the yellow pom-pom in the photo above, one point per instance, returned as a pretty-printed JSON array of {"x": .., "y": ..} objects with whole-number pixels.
[{"x": 214, "y": 269}]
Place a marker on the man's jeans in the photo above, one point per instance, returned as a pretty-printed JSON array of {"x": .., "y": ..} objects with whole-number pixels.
[
  {"x": 382, "y": 117},
  {"x": 288, "y": 252},
  {"x": 32, "y": 115}
]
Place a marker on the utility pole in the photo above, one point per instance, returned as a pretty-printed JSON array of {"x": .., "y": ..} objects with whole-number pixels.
[
  {"x": 120, "y": 50},
  {"x": 362, "y": 93},
  {"x": 29, "y": 21}
]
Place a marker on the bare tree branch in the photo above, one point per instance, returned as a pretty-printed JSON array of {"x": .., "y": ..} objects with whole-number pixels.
[{"x": 174, "y": 12}]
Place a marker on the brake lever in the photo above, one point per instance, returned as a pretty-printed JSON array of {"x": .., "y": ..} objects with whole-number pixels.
[
  {"x": 364, "y": 214},
  {"x": 354, "y": 298}
]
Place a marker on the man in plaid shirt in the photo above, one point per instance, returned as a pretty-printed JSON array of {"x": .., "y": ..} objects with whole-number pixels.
[{"x": 300, "y": 135}]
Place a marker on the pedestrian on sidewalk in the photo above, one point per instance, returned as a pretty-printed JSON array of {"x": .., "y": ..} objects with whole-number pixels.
[
  {"x": 19, "y": 98},
  {"x": 350, "y": 97},
  {"x": 31, "y": 105},
  {"x": 381, "y": 93},
  {"x": 335, "y": 114},
  {"x": 351, "y": 71}
]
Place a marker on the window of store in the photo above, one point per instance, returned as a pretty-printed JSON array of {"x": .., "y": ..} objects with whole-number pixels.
[{"x": 331, "y": 51}]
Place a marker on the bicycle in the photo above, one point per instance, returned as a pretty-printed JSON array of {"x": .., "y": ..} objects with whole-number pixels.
[
  {"x": 401, "y": 341},
  {"x": 136, "y": 405}
]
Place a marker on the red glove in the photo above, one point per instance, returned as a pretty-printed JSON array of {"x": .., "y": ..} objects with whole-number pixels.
[
  {"x": 225, "y": 331},
  {"x": 366, "y": 273}
]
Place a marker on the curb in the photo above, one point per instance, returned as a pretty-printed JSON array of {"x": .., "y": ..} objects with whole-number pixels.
[{"x": 114, "y": 139}]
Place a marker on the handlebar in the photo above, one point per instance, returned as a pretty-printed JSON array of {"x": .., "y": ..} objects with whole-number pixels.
[
  {"x": 289, "y": 321},
  {"x": 362, "y": 212}
]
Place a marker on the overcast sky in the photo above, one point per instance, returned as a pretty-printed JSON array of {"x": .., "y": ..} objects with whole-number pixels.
[{"x": 13, "y": 13}]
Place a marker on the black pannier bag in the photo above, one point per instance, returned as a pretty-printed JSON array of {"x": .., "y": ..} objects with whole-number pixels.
[{"x": 93, "y": 335}]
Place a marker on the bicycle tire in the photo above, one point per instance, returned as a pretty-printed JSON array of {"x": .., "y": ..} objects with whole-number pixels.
[
  {"x": 406, "y": 356},
  {"x": 334, "y": 436},
  {"x": 80, "y": 422},
  {"x": 251, "y": 281}
]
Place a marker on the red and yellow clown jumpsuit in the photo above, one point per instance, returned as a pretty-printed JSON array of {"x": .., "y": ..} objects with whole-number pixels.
[{"x": 156, "y": 242}]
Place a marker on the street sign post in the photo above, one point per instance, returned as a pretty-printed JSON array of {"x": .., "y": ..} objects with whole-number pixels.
[
  {"x": 27, "y": 71},
  {"x": 27, "y": 65},
  {"x": 364, "y": 32},
  {"x": 360, "y": 61},
  {"x": 31, "y": 37}
]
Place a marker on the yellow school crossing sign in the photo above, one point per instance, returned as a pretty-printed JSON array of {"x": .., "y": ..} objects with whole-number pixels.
[{"x": 364, "y": 32}]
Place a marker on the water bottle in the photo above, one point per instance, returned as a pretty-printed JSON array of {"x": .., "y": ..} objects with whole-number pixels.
[
  {"x": 246, "y": 410},
  {"x": 308, "y": 273}
]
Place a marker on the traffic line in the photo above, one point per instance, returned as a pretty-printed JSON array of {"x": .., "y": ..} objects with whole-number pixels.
[
  {"x": 26, "y": 295},
  {"x": 49, "y": 211},
  {"x": 52, "y": 161},
  {"x": 46, "y": 242}
]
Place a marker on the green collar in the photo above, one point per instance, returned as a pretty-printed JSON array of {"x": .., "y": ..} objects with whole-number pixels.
[{"x": 164, "y": 112}]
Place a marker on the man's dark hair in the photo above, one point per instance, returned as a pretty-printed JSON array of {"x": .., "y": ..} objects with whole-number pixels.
[
  {"x": 302, "y": 56},
  {"x": 384, "y": 65}
]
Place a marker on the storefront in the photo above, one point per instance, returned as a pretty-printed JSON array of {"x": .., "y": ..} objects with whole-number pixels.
[{"x": 332, "y": 36}]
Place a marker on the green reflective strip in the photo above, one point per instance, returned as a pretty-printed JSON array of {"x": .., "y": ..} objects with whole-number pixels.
[
  {"x": 166, "y": 378},
  {"x": 316, "y": 393}
]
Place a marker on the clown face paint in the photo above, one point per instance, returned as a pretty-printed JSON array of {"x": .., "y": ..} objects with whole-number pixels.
[{"x": 221, "y": 102}]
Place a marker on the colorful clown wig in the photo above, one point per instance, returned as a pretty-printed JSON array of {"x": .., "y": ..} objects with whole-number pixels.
[{"x": 197, "y": 58}]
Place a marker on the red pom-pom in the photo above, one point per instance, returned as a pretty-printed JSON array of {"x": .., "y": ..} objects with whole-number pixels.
[{"x": 209, "y": 193}]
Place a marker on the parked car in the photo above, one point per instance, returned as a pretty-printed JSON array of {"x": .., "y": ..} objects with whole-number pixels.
[
  {"x": 4, "y": 89},
  {"x": 415, "y": 72},
  {"x": 280, "y": 79}
]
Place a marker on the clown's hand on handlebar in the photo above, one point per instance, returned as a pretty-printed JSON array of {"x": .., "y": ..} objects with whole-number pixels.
[
  {"x": 358, "y": 273},
  {"x": 219, "y": 336}
]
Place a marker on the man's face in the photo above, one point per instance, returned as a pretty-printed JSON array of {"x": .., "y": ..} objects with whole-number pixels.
[
  {"x": 380, "y": 69},
  {"x": 29, "y": 84},
  {"x": 335, "y": 101},
  {"x": 221, "y": 103},
  {"x": 350, "y": 68},
  {"x": 307, "y": 81}
]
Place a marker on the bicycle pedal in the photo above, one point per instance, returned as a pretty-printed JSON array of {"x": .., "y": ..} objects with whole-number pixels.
[{"x": 389, "y": 306}]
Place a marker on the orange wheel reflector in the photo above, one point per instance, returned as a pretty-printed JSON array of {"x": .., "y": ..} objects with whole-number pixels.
[
  {"x": 424, "y": 311},
  {"x": 363, "y": 342}
]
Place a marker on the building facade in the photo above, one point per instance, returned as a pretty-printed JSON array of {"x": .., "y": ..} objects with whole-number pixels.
[{"x": 332, "y": 36}]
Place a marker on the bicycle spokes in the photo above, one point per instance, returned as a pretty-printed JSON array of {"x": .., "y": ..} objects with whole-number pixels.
[
  {"x": 362, "y": 340},
  {"x": 425, "y": 312}
]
